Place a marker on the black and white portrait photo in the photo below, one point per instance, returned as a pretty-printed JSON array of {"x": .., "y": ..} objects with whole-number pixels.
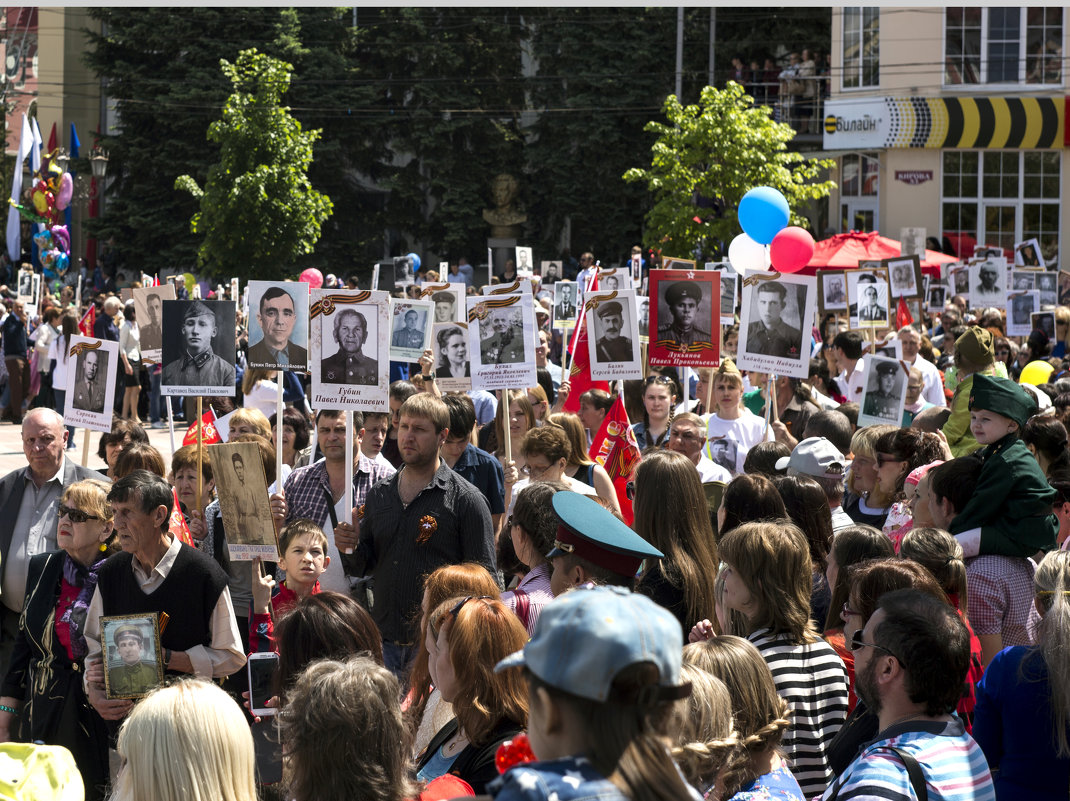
[
  {"x": 1064, "y": 288},
  {"x": 238, "y": 470},
  {"x": 904, "y": 275},
  {"x": 198, "y": 347},
  {"x": 610, "y": 280},
  {"x": 448, "y": 300},
  {"x": 868, "y": 293},
  {"x": 344, "y": 360},
  {"x": 148, "y": 306},
  {"x": 723, "y": 451},
  {"x": 91, "y": 380},
  {"x": 450, "y": 346},
  {"x": 937, "y": 297},
  {"x": 613, "y": 336},
  {"x": 278, "y": 325},
  {"x": 885, "y": 389},
  {"x": 349, "y": 354},
  {"x": 1022, "y": 280},
  {"x": 565, "y": 304},
  {"x": 502, "y": 337},
  {"x": 26, "y": 286},
  {"x": 1044, "y": 321},
  {"x": 988, "y": 281},
  {"x": 410, "y": 329},
  {"x": 642, "y": 314},
  {"x": 911, "y": 242},
  {"x": 833, "y": 291},
  {"x": 1021, "y": 306},
  {"x": 1047, "y": 284},
  {"x": 524, "y": 264},
  {"x": 776, "y": 318},
  {"x": 550, "y": 272}
]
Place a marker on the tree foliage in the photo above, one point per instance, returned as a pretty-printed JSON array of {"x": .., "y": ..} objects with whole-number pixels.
[
  {"x": 717, "y": 150},
  {"x": 258, "y": 210}
]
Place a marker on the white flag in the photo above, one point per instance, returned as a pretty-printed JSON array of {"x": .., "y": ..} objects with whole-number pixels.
[
  {"x": 14, "y": 227},
  {"x": 35, "y": 158}
]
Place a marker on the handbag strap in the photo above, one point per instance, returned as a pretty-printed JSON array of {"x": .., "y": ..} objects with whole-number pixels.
[{"x": 914, "y": 773}]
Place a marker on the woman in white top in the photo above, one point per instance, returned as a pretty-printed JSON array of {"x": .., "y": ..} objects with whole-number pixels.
[
  {"x": 57, "y": 355},
  {"x": 130, "y": 353},
  {"x": 259, "y": 390},
  {"x": 732, "y": 429}
]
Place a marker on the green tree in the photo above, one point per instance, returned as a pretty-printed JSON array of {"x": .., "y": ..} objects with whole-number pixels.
[
  {"x": 717, "y": 150},
  {"x": 258, "y": 210}
]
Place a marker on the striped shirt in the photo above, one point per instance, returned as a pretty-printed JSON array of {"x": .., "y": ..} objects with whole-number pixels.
[
  {"x": 536, "y": 585},
  {"x": 953, "y": 765},
  {"x": 812, "y": 679}
]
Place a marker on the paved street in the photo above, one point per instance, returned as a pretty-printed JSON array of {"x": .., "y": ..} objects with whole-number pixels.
[{"x": 11, "y": 455}]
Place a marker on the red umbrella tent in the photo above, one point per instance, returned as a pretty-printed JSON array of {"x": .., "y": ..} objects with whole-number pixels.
[{"x": 844, "y": 251}]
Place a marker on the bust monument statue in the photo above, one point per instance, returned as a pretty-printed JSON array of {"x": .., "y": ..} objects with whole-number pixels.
[{"x": 505, "y": 218}]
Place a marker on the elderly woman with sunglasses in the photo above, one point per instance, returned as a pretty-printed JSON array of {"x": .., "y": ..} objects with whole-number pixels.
[{"x": 42, "y": 696}]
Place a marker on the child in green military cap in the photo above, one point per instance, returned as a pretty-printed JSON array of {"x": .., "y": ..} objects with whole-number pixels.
[{"x": 1010, "y": 512}]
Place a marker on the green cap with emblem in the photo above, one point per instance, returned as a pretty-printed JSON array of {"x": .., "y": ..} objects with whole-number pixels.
[{"x": 1002, "y": 396}]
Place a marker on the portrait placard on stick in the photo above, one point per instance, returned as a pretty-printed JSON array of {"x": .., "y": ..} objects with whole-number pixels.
[
  {"x": 448, "y": 300},
  {"x": 453, "y": 371},
  {"x": 500, "y": 343},
  {"x": 1047, "y": 284},
  {"x": 524, "y": 264},
  {"x": 550, "y": 272},
  {"x": 884, "y": 392},
  {"x": 867, "y": 292},
  {"x": 25, "y": 286},
  {"x": 613, "y": 335},
  {"x": 278, "y": 325},
  {"x": 1021, "y": 306},
  {"x": 1027, "y": 254},
  {"x": 677, "y": 264},
  {"x": 133, "y": 663},
  {"x": 937, "y": 296},
  {"x": 1064, "y": 288},
  {"x": 614, "y": 279},
  {"x": 833, "y": 294},
  {"x": 566, "y": 308},
  {"x": 238, "y": 470},
  {"x": 685, "y": 318},
  {"x": 776, "y": 317},
  {"x": 91, "y": 395},
  {"x": 988, "y": 283},
  {"x": 729, "y": 280},
  {"x": 905, "y": 276},
  {"x": 522, "y": 285},
  {"x": 1044, "y": 321},
  {"x": 198, "y": 347},
  {"x": 1021, "y": 280},
  {"x": 410, "y": 329},
  {"x": 642, "y": 314},
  {"x": 349, "y": 356},
  {"x": 148, "y": 306}
]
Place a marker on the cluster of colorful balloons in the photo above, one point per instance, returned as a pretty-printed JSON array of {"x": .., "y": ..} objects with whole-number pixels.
[
  {"x": 54, "y": 246},
  {"x": 767, "y": 239}
]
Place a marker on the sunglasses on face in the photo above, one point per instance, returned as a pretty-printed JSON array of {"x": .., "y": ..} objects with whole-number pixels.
[
  {"x": 857, "y": 644},
  {"x": 883, "y": 458},
  {"x": 75, "y": 515}
]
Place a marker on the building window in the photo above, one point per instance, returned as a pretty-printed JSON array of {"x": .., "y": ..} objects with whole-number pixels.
[
  {"x": 861, "y": 175},
  {"x": 861, "y": 47},
  {"x": 1002, "y": 197},
  {"x": 1003, "y": 45}
]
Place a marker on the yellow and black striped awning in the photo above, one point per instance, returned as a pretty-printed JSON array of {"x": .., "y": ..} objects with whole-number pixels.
[{"x": 966, "y": 122}]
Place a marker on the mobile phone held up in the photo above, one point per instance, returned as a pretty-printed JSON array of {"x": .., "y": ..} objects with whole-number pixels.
[{"x": 261, "y": 668}]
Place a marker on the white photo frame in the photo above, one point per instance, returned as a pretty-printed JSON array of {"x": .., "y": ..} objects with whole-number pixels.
[{"x": 884, "y": 392}]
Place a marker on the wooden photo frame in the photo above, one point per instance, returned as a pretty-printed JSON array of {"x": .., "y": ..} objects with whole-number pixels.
[{"x": 129, "y": 673}]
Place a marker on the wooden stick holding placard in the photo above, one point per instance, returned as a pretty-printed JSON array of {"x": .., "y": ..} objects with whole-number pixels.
[
  {"x": 347, "y": 507},
  {"x": 85, "y": 449},
  {"x": 170, "y": 422},
  {"x": 278, "y": 433},
  {"x": 579, "y": 322},
  {"x": 709, "y": 392},
  {"x": 200, "y": 456},
  {"x": 507, "y": 424}
]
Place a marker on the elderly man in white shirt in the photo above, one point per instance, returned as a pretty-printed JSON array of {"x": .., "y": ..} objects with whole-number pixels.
[
  {"x": 933, "y": 391},
  {"x": 687, "y": 435}
]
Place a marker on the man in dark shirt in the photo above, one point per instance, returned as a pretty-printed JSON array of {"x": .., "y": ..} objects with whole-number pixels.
[
  {"x": 423, "y": 517},
  {"x": 479, "y": 468},
  {"x": 18, "y": 368}
]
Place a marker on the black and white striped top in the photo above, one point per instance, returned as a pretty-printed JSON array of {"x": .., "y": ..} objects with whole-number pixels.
[{"x": 813, "y": 680}]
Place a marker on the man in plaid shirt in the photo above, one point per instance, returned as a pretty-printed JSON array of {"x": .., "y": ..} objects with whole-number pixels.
[{"x": 317, "y": 492}]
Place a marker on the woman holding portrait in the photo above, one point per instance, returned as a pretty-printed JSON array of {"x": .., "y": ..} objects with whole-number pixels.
[{"x": 42, "y": 696}]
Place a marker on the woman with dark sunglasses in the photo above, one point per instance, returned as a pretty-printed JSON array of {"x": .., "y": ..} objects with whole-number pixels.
[{"x": 42, "y": 696}]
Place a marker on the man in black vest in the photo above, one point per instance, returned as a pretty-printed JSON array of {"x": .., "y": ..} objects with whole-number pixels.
[{"x": 156, "y": 572}]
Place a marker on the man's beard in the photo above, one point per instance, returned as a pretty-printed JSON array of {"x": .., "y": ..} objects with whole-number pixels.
[{"x": 866, "y": 687}]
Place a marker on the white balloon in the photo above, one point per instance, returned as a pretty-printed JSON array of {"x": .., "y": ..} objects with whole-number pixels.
[{"x": 745, "y": 255}]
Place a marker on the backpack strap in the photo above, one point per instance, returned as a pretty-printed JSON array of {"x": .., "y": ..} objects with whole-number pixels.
[{"x": 523, "y": 606}]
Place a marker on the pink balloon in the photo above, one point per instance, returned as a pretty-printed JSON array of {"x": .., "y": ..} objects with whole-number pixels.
[
  {"x": 66, "y": 191},
  {"x": 314, "y": 278},
  {"x": 791, "y": 249}
]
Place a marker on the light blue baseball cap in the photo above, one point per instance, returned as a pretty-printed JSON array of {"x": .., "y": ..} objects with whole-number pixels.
[{"x": 586, "y": 637}]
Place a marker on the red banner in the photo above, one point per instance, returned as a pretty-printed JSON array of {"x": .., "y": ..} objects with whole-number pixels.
[
  {"x": 176, "y": 526},
  {"x": 210, "y": 436},
  {"x": 88, "y": 321},
  {"x": 579, "y": 371},
  {"x": 614, "y": 447},
  {"x": 903, "y": 317}
]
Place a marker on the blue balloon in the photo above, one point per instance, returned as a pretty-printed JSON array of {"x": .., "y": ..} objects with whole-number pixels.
[
  {"x": 763, "y": 213},
  {"x": 415, "y": 262}
]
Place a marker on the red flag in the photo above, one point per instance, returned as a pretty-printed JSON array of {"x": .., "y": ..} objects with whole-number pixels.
[
  {"x": 210, "y": 435},
  {"x": 88, "y": 321},
  {"x": 614, "y": 447},
  {"x": 177, "y": 524},
  {"x": 579, "y": 372},
  {"x": 52, "y": 141},
  {"x": 903, "y": 317}
]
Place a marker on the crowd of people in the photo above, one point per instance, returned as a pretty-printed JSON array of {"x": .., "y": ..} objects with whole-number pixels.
[{"x": 799, "y": 607}]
